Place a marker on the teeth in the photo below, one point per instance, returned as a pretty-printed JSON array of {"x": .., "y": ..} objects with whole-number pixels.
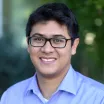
[{"x": 47, "y": 60}]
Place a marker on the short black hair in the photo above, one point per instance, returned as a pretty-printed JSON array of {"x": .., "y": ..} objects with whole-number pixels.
[{"x": 54, "y": 11}]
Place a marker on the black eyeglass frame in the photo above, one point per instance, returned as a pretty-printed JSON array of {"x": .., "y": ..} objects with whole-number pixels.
[{"x": 48, "y": 39}]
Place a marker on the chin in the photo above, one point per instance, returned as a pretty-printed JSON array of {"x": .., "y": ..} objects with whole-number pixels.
[{"x": 47, "y": 74}]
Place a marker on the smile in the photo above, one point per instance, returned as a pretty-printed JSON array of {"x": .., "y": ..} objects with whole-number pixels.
[{"x": 48, "y": 60}]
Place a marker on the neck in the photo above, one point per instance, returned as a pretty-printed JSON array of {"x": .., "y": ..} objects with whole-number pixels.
[{"x": 49, "y": 85}]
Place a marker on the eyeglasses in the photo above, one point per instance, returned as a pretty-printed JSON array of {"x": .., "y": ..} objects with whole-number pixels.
[{"x": 39, "y": 41}]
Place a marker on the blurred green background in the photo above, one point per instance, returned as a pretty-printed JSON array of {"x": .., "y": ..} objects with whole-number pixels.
[{"x": 15, "y": 64}]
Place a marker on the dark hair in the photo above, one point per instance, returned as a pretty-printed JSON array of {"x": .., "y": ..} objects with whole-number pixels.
[{"x": 54, "y": 11}]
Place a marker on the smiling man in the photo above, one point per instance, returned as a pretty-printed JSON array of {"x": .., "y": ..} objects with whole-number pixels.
[{"x": 52, "y": 38}]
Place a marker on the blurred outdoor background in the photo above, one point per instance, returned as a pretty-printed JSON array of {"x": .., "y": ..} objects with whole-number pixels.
[{"x": 15, "y": 64}]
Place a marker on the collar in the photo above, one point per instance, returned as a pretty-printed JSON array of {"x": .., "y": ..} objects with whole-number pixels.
[
  {"x": 33, "y": 86},
  {"x": 69, "y": 83}
]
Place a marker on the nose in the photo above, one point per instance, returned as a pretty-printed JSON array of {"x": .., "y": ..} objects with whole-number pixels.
[{"x": 47, "y": 48}]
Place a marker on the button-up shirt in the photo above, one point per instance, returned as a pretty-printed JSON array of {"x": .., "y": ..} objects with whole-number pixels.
[{"x": 75, "y": 88}]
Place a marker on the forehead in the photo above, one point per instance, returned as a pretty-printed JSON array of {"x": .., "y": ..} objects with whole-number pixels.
[{"x": 49, "y": 28}]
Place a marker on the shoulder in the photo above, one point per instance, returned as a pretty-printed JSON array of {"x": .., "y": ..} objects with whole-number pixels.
[
  {"x": 20, "y": 86},
  {"x": 90, "y": 82},
  {"x": 15, "y": 90},
  {"x": 88, "y": 88}
]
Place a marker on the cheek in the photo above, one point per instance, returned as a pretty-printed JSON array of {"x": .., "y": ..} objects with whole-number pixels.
[
  {"x": 33, "y": 50},
  {"x": 34, "y": 53},
  {"x": 65, "y": 54},
  {"x": 65, "y": 59}
]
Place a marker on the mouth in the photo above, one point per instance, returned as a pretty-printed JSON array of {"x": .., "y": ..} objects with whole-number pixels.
[{"x": 47, "y": 60}]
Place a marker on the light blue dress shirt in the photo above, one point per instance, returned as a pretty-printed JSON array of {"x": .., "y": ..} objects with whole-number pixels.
[{"x": 74, "y": 89}]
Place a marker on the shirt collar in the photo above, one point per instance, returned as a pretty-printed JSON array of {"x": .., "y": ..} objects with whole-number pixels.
[
  {"x": 33, "y": 86},
  {"x": 69, "y": 83}
]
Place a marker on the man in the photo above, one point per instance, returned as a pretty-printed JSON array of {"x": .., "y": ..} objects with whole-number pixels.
[{"x": 52, "y": 37}]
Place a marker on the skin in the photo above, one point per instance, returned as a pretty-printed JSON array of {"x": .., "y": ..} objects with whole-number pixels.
[{"x": 51, "y": 63}]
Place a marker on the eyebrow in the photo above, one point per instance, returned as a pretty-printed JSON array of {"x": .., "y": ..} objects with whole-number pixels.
[
  {"x": 43, "y": 35},
  {"x": 38, "y": 34}
]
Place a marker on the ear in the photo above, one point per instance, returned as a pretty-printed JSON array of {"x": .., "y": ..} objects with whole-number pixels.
[{"x": 74, "y": 46}]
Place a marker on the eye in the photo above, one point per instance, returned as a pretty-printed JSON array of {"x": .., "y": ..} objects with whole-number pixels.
[
  {"x": 38, "y": 39},
  {"x": 58, "y": 40}
]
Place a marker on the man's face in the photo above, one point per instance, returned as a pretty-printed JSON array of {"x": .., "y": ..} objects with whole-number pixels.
[{"x": 49, "y": 61}]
